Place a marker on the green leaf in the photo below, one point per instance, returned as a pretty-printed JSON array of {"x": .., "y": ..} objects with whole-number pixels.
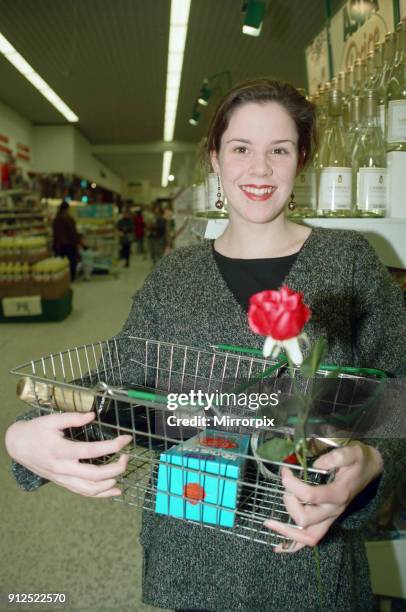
[
  {"x": 312, "y": 363},
  {"x": 276, "y": 449}
]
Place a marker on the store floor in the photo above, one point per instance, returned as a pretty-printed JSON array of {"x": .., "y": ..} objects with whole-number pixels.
[{"x": 53, "y": 540}]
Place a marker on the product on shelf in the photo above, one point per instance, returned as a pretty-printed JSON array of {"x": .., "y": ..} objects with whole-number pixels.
[
  {"x": 334, "y": 197},
  {"x": 369, "y": 182},
  {"x": 21, "y": 248},
  {"x": 396, "y": 95},
  {"x": 388, "y": 55},
  {"x": 48, "y": 278}
]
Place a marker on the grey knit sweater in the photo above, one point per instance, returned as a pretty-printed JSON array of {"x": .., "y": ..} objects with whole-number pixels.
[{"x": 358, "y": 309}]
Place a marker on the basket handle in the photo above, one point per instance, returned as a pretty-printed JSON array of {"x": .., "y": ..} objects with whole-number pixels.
[{"x": 231, "y": 348}]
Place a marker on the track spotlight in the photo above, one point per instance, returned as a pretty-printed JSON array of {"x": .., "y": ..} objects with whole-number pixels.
[
  {"x": 254, "y": 16},
  {"x": 194, "y": 119},
  {"x": 204, "y": 94}
]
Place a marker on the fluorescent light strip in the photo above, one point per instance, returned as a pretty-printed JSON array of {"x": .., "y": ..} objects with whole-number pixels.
[
  {"x": 33, "y": 77},
  {"x": 176, "y": 49},
  {"x": 166, "y": 166}
]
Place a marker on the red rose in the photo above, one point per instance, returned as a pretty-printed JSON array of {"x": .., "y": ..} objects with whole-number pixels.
[{"x": 279, "y": 314}]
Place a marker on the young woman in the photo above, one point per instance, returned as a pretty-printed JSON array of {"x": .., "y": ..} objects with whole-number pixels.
[{"x": 261, "y": 136}]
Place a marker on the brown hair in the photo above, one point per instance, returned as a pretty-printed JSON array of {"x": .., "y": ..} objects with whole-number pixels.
[{"x": 261, "y": 91}]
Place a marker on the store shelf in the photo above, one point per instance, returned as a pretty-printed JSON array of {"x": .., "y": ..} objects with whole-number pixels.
[
  {"x": 387, "y": 236},
  {"x": 14, "y": 215},
  {"x": 12, "y": 211},
  {"x": 12, "y": 192}
]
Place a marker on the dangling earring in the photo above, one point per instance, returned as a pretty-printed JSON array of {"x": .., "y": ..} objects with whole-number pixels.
[
  {"x": 292, "y": 203},
  {"x": 219, "y": 202}
]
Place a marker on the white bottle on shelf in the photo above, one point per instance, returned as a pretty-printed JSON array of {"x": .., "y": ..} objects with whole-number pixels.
[
  {"x": 334, "y": 194},
  {"x": 369, "y": 164}
]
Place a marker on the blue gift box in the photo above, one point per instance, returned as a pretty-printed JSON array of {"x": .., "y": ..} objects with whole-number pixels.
[{"x": 197, "y": 479}]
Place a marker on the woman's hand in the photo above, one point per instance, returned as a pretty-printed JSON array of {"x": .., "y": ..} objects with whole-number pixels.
[
  {"x": 40, "y": 446},
  {"x": 356, "y": 466}
]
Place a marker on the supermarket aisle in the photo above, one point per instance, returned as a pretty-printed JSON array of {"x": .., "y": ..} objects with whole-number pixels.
[{"x": 53, "y": 540}]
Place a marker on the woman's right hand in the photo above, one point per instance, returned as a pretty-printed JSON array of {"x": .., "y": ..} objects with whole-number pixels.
[{"x": 40, "y": 446}]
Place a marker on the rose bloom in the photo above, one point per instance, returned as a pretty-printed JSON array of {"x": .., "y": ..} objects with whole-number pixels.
[{"x": 279, "y": 314}]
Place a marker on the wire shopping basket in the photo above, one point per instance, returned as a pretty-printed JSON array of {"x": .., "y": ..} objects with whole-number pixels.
[{"x": 193, "y": 423}]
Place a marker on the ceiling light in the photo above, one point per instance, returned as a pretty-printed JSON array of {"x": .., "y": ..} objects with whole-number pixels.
[
  {"x": 177, "y": 38},
  {"x": 172, "y": 94},
  {"x": 34, "y": 78},
  {"x": 255, "y": 13},
  {"x": 170, "y": 107},
  {"x": 173, "y": 80},
  {"x": 166, "y": 166},
  {"x": 179, "y": 20},
  {"x": 5, "y": 46},
  {"x": 216, "y": 85},
  {"x": 171, "y": 178},
  {"x": 179, "y": 16},
  {"x": 194, "y": 119},
  {"x": 19, "y": 62},
  {"x": 204, "y": 94},
  {"x": 175, "y": 61}
]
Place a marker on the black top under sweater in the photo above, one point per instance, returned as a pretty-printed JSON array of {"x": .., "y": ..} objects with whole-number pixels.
[{"x": 244, "y": 277}]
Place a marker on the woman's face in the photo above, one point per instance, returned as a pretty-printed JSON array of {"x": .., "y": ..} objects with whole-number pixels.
[{"x": 258, "y": 161}]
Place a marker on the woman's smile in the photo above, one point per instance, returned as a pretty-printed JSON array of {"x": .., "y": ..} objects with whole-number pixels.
[{"x": 258, "y": 193}]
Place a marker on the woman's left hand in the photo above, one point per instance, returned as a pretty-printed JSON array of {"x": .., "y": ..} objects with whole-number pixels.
[{"x": 356, "y": 466}]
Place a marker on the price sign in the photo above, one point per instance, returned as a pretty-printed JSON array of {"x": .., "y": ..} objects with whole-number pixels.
[{"x": 25, "y": 306}]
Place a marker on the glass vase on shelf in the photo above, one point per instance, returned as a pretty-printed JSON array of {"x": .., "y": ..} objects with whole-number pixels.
[
  {"x": 373, "y": 81},
  {"x": 369, "y": 179},
  {"x": 348, "y": 79},
  {"x": 396, "y": 96},
  {"x": 199, "y": 200},
  {"x": 305, "y": 190},
  {"x": 334, "y": 171},
  {"x": 370, "y": 70},
  {"x": 354, "y": 127},
  {"x": 321, "y": 104},
  {"x": 358, "y": 78},
  {"x": 388, "y": 57}
]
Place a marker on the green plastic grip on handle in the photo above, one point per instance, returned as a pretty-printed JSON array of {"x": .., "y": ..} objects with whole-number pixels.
[
  {"x": 146, "y": 395},
  {"x": 323, "y": 366}
]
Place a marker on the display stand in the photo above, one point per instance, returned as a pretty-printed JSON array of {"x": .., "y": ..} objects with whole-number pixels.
[
  {"x": 21, "y": 213},
  {"x": 97, "y": 224}
]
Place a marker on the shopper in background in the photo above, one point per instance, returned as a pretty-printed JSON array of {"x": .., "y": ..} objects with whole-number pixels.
[
  {"x": 125, "y": 228},
  {"x": 139, "y": 230},
  {"x": 261, "y": 136},
  {"x": 87, "y": 257},
  {"x": 169, "y": 230},
  {"x": 149, "y": 219},
  {"x": 66, "y": 237},
  {"x": 157, "y": 233}
]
